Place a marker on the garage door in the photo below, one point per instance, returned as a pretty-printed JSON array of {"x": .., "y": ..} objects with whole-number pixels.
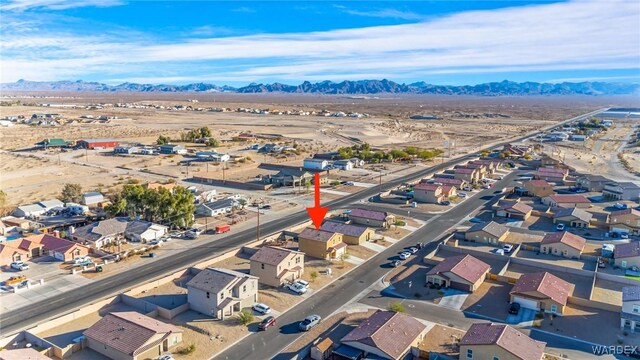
[
  {"x": 526, "y": 303},
  {"x": 459, "y": 286},
  {"x": 619, "y": 229}
]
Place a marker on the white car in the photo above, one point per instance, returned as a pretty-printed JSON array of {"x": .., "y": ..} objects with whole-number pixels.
[
  {"x": 413, "y": 250},
  {"x": 560, "y": 227},
  {"x": 462, "y": 194},
  {"x": 19, "y": 265},
  {"x": 404, "y": 255},
  {"x": 261, "y": 308},
  {"x": 507, "y": 248},
  {"x": 467, "y": 188},
  {"x": 302, "y": 282},
  {"x": 297, "y": 288}
]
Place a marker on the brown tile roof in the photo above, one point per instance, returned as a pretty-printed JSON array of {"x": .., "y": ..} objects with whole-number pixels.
[
  {"x": 272, "y": 255},
  {"x": 575, "y": 212},
  {"x": 427, "y": 187},
  {"x": 388, "y": 331},
  {"x": 626, "y": 212},
  {"x": 369, "y": 214},
  {"x": 545, "y": 283},
  {"x": 8, "y": 251},
  {"x": 28, "y": 245},
  {"x": 318, "y": 235},
  {"x": 342, "y": 228},
  {"x": 627, "y": 250},
  {"x": 22, "y": 354},
  {"x": 565, "y": 237},
  {"x": 127, "y": 332},
  {"x": 506, "y": 337},
  {"x": 579, "y": 199},
  {"x": 449, "y": 181},
  {"x": 519, "y": 207},
  {"x": 464, "y": 266},
  {"x": 52, "y": 243},
  {"x": 464, "y": 171},
  {"x": 491, "y": 227}
]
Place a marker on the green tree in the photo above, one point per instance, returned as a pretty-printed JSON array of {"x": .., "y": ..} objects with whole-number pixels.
[
  {"x": 243, "y": 203},
  {"x": 71, "y": 193},
  {"x": 211, "y": 142},
  {"x": 307, "y": 185},
  {"x": 182, "y": 208},
  {"x": 397, "y": 307},
  {"x": 314, "y": 275},
  {"x": 117, "y": 207},
  {"x": 205, "y": 132},
  {"x": 163, "y": 140},
  {"x": 245, "y": 317}
]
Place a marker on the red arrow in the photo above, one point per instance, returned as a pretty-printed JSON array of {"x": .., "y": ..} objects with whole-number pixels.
[{"x": 317, "y": 213}]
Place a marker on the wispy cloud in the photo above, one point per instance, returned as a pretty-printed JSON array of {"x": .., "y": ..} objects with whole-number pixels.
[
  {"x": 384, "y": 13},
  {"x": 594, "y": 78},
  {"x": 208, "y": 30},
  {"x": 546, "y": 37},
  {"x": 21, "y": 5}
]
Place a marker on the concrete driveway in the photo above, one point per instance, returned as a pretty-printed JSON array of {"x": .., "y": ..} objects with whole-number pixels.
[
  {"x": 453, "y": 299},
  {"x": 524, "y": 318}
]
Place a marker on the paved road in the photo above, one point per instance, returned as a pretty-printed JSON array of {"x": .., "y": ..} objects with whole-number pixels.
[
  {"x": 269, "y": 344},
  {"x": 40, "y": 311}
]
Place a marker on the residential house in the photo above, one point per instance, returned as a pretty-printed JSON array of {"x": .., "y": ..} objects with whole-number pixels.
[
  {"x": 276, "y": 266},
  {"x": 15, "y": 224},
  {"x": 488, "y": 233},
  {"x": 566, "y": 201},
  {"x": 371, "y": 218},
  {"x": 555, "y": 175},
  {"x": 92, "y": 198},
  {"x": 317, "y": 164},
  {"x": 127, "y": 150},
  {"x": 34, "y": 248},
  {"x": 144, "y": 231},
  {"x": 212, "y": 155},
  {"x": 131, "y": 336},
  {"x": 513, "y": 209},
  {"x": 517, "y": 151},
  {"x": 428, "y": 193},
  {"x": 481, "y": 168},
  {"x": 343, "y": 164},
  {"x": 539, "y": 188},
  {"x": 321, "y": 350},
  {"x": 621, "y": 191},
  {"x": 463, "y": 272},
  {"x": 387, "y": 335},
  {"x": 321, "y": 244},
  {"x": 351, "y": 234},
  {"x": 172, "y": 149},
  {"x": 573, "y": 216},
  {"x": 471, "y": 176},
  {"x": 101, "y": 233},
  {"x": 541, "y": 291},
  {"x": 59, "y": 249},
  {"x": 627, "y": 255},
  {"x": 221, "y": 292},
  {"x": 625, "y": 221},
  {"x": 288, "y": 177},
  {"x": 490, "y": 165},
  {"x": 591, "y": 182},
  {"x": 9, "y": 254},
  {"x": 563, "y": 244},
  {"x": 460, "y": 184},
  {"x": 630, "y": 313},
  {"x": 215, "y": 208},
  {"x": 486, "y": 341}
]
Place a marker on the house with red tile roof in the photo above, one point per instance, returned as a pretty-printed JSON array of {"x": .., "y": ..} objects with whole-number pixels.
[
  {"x": 563, "y": 244},
  {"x": 386, "y": 334},
  {"x": 471, "y": 176},
  {"x": 566, "y": 201},
  {"x": 22, "y": 354},
  {"x": 492, "y": 341},
  {"x": 276, "y": 266},
  {"x": 541, "y": 291},
  {"x": 463, "y": 272},
  {"x": 428, "y": 193},
  {"x": 58, "y": 248},
  {"x": 131, "y": 335}
]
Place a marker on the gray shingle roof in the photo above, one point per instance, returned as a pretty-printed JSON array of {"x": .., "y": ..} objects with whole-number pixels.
[
  {"x": 369, "y": 214},
  {"x": 342, "y": 228},
  {"x": 313, "y": 234},
  {"x": 576, "y": 212},
  {"x": 491, "y": 227},
  {"x": 272, "y": 255},
  {"x": 627, "y": 250},
  {"x": 102, "y": 228},
  {"x": 631, "y": 293},
  {"x": 216, "y": 279}
]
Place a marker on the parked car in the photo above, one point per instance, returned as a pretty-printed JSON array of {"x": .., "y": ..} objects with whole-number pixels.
[
  {"x": 507, "y": 248},
  {"x": 152, "y": 255},
  {"x": 514, "y": 308},
  {"x": 19, "y": 265},
  {"x": 419, "y": 245},
  {"x": 624, "y": 235},
  {"x": 155, "y": 242},
  {"x": 261, "y": 308},
  {"x": 413, "y": 250},
  {"x": 560, "y": 227},
  {"x": 349, "y": 183},
  {"x": 166, "y": 357},
  {"x": 404, "y": 255},
  {"x": 486, "y": 186},
  {"x": 499, "y": 251},
  {"x": 620, "y": 206},
  {"x": 268, "y": 321},
  {"x": 462, "y": 194},
  {"x": 302, "y": 282},
  {"x": 467, "y": 188},
  {"x": 446, "y": 203},
  {"x": 297, "y": 288},
  {"x": 266, "y": 207},
  {"x": 602, "y": 264},
  {"x": 395, "y": 263},
  {"x": 309, "y": 322},
  {"x": 581, "y": 191}
]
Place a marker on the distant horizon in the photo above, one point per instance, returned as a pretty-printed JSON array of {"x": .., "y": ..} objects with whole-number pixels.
[{"x": 237, "y": 43}]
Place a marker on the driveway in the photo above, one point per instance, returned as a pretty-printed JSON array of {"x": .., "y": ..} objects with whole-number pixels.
[
  {"x": 453, "y": 299},
  {"x": 524, "y": 318}
]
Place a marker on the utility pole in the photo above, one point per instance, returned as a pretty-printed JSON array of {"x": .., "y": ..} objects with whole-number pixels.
[{"x": 258, "y": 228}]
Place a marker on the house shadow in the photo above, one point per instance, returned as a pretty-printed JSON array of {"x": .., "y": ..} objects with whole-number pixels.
[
  {"x": 335, "y": 332},
  {"x": 64, "y": 339},
  {"x": 167, "y": 301}
]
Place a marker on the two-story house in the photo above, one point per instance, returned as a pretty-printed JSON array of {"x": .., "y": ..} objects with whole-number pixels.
[
  {"x": 321, "y": 244},
  {"x": 539, "y": 188},
  {"x": 630, "y": 313},
  {"x": 625, "y": 221},
  {"x": 621, "y": 191},
  {"x": 428, "y": 193},
  {"x": 371, "y": 218},
  {"x": 275, "y": 266},
  {"x": 221, "y": 292},
  {"x": 592, "y": 182},
  {"x": 471, "y": 176}
]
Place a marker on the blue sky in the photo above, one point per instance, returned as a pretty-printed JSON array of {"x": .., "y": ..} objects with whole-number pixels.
[{"x": 239, "y": 42}]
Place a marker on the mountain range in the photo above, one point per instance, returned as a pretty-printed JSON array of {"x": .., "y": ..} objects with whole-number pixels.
[{"x": 361, "y": 87}]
